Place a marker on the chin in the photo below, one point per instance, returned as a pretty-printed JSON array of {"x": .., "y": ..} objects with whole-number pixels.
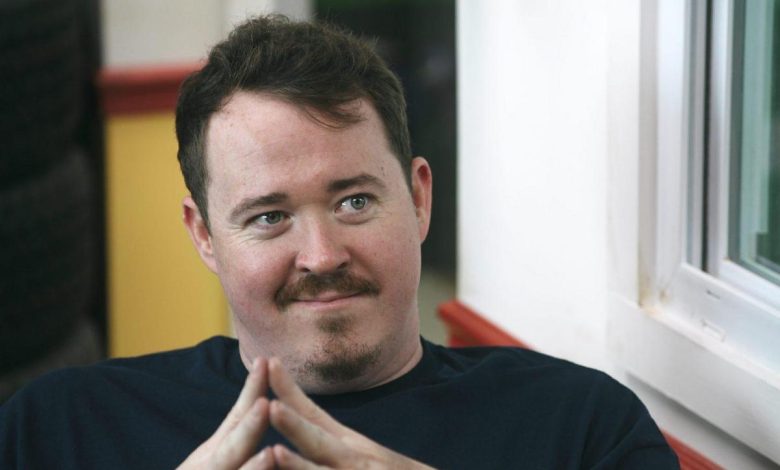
[{"x": 338, "y": 366}]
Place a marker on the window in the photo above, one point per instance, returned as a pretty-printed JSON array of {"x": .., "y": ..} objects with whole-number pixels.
[
  {"x": 754, "y": 157},
  {"x": 704, "y": 325},
  {"x": 730, "y": 172}
]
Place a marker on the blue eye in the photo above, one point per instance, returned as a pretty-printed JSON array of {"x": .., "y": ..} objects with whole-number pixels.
[
  {"x": 357, "y": 202},
  {"x": 270, "y": 218}
]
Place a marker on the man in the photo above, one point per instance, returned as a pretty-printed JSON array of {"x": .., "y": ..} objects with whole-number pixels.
[{"x": 306, "y": 203}]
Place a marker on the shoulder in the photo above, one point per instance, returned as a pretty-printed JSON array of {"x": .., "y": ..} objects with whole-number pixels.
[
  {"x": 213, "y": 354},
  {"x": 515, "y": 364},
  {"x": 521, "y": 374},
  {"x": 120, "y": 404},
  {"x": 574, "y": 407},
  {"x": 189, "y": 365},
  {"x": 523, "y": 380}
]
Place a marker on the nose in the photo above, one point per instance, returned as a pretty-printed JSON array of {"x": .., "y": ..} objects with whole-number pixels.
[{"x": 322, "y": 249}]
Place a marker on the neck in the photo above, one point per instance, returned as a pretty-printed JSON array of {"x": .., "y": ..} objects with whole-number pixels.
[{"x": 391, "y": 362}]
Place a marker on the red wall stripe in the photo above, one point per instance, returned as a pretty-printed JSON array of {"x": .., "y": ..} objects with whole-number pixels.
[
  {"x": 147, "y": 89},
  {"x": 468, "y": 328}
]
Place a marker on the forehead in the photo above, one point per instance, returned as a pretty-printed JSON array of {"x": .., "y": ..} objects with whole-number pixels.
[{"x": 261, "y": 143}]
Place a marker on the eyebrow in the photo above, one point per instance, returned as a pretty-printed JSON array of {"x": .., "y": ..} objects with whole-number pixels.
[
  {"x": 258, "y": 201},
  {"x": 363, "y": 179},
  {"x": 335, "y": 186}
]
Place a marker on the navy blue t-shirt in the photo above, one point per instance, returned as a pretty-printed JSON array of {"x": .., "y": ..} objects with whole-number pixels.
[{"x": 458, "y": 408}]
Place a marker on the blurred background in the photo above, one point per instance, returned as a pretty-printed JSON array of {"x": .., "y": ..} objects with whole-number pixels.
[{"x": 52, "y": 285}]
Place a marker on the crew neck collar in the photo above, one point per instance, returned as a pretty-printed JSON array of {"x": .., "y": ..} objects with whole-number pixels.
[{"x": 423, "y": 371}]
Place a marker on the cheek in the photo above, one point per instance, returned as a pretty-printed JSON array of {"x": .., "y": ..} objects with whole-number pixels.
[
  {"x": 249, "y": 278},
  {"x": 398, "y": 261}
]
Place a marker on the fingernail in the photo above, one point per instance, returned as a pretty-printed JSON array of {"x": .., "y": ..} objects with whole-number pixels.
[{"x": 263, "y": 454}]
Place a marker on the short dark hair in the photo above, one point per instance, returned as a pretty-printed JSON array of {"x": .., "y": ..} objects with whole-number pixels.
[{"x": 317, "y": 66}]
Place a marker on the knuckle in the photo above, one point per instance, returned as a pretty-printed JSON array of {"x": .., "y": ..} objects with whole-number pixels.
[{"x": 224, "y": 457}]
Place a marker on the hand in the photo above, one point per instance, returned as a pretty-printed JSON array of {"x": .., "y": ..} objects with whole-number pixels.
[
  {"x": 322, "y": 441},
  {"x": 233, "y": 443}
]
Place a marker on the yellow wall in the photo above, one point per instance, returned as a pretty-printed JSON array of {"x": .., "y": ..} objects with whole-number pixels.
[{"x": 160, "y": 294}]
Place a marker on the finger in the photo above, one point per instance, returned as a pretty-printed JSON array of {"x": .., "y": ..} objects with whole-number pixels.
[
  {"x": 289, "y": 460},
  {"x": 264, "y": 460},
  {"x": 291, "y": 394},
  {"x": 255, "y": 386},
  {"x": 240, "y": 442},
  {"x": 311, "y": 440}
]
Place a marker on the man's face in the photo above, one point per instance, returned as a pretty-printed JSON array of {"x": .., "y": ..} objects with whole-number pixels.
[{"x": 315, "y": 238}]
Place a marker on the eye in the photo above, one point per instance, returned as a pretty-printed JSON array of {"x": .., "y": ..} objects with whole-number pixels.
[
  {"x": 270, "y": 218},
  {"x": 354, "y": 203}
]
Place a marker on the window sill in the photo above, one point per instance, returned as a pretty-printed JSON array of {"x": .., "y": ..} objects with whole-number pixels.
[{"x": 698, "y": 371}]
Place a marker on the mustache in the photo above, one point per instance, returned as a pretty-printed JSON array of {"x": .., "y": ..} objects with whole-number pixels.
[{"x": 310, "y": 285}]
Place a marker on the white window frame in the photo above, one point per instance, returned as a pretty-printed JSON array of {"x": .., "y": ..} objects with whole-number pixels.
[{"x": 704, "y": 342}]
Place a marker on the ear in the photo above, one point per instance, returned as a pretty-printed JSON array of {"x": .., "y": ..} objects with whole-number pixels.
[
  {"x": 422, "y": 194},
  {"x": 199, "y": 233}
]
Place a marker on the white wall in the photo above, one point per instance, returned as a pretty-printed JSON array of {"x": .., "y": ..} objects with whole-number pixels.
[
  {"x": 154, "y": 32},
  {"x": 549, "y": 175},
  {"x": 532, "y": 170}
]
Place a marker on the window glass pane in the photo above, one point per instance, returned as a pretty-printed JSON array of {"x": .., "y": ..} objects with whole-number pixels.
[{"x": 754, "y": 219}]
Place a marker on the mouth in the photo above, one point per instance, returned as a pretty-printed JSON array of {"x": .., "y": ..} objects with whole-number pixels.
[{"x": 327, "y": 298}]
